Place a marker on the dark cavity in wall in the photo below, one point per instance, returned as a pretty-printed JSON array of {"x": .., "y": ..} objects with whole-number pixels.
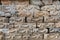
[{"x": 0, "y": 2}]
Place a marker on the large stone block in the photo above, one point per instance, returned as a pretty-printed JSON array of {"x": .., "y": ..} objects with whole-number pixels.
[
  {"x": 54, "y": 30},
  {"x": 16, "y": 19},
  {"x": 6, "y": 2},
  {"x": 51, "y": 19},
  {"x": 47, "y": 2},
  {"x": 48, "y": 8},
  {"x": 34, "y": 19},
  {"x": 57, "y": 24},
  {"x": 56, "y": 2},
  {"x": 1, "y": 36},
  {"x": 36, "y": 37},
  {"x": 41, "y": 13},
  {"x": 45, "y": 25},
  {"x": 36, "y": 2},
  {"x": 3, "y": 20},
  {"x": 55, "y": 13},
  {"x": 52, "y": 36}
]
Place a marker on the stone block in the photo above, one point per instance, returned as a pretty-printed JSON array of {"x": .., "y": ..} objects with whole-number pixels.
[
  {"x": 56, "y": 2},
  {"x": 57, "y": 24},
  {"x": 34, "y": 19},
  {"x": 45, "y": 25},
  {"x": 52, "y": 36},
  {"x": 36, "y": 37},
  {"x": 41, "y": 13},
  {"x": 48, "y": 8},
  {"x": 47, "y": 2},
  {"x": 3, "y": 20},
  {"x": 51, "y": 19},
  {"x": 55, "y": 13},
  {"x": 1, "y": 36},
  {"x": 16, "y": 19},
  {"x": 54, "y": 30},
  {"x": 36, "y": 2}
]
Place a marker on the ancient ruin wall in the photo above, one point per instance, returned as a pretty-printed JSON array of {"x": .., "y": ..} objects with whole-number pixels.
[{"x": 30, "y": 20}]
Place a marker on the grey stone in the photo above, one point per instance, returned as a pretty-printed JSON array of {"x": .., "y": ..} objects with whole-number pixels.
[
  {"x": 36, "y": 2},
  {"x": 2, "y": 13},
  {"x": 7, "y": 15},
  {"x": 46, "y": 2}
]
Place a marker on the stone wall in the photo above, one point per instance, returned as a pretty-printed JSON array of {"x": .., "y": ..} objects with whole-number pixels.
[{"x": 30, "y": 20}]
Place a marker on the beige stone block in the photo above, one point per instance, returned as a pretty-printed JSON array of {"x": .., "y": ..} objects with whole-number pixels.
[
  {"x": 57, "y": 24},
  {"x": 48, "y": 8},
  {"x": 28, "y": 25},
  {"x": 3, "y": 20},
  {"x": 25, "y": 37},
  {"x": 51, "y": 19},
  {"x": 55, "y": 13},
  {"x": 39, "y": 19},
  {"x": 17, "y": 38},
  {"x": 36, "y": 37},
  {"x": 45, "y": 25},
  {"x": 6, "y": 2},
  {"x": 52, "y": 36},
  {"x": 41, "y": 13},
  {"x": 1, "y": 36},
  {"x": 16, "y": 19},
  {"x": 34, "y": 19}
]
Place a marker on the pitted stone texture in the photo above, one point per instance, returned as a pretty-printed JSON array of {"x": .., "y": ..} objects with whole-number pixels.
[{"x": 52, "y": 36}]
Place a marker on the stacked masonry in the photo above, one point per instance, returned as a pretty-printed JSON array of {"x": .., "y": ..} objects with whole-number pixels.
[{"x": 30, "y": 20}]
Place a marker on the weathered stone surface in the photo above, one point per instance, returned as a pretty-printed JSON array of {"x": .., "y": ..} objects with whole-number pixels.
[
  {"x": 1, "y": 35},
  {"x": 51, "y": 19},
  {"x": 55, "y": 13},
  {"x": 34, "y": 19},
  {"x": 16, "y": 19},
  {"x": 49, "y": 8},
  {"x": 57, "y": 24},
  {"x": 3, "y": 20},
  {"x": 54, "y": 30},
  {"x": 2, "y": 13},
  {"x": 52, "y": 36},
  {"x": 45, "y": 25},
  {"x": 56, "y": 3},
  {"x": 41, "y": 13},
  {"x": 36, "y": 2},
  {"x": 36, "y": 37},
  {"x": 47, "y": 2},
  {"x": 6, "y": 3}
]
